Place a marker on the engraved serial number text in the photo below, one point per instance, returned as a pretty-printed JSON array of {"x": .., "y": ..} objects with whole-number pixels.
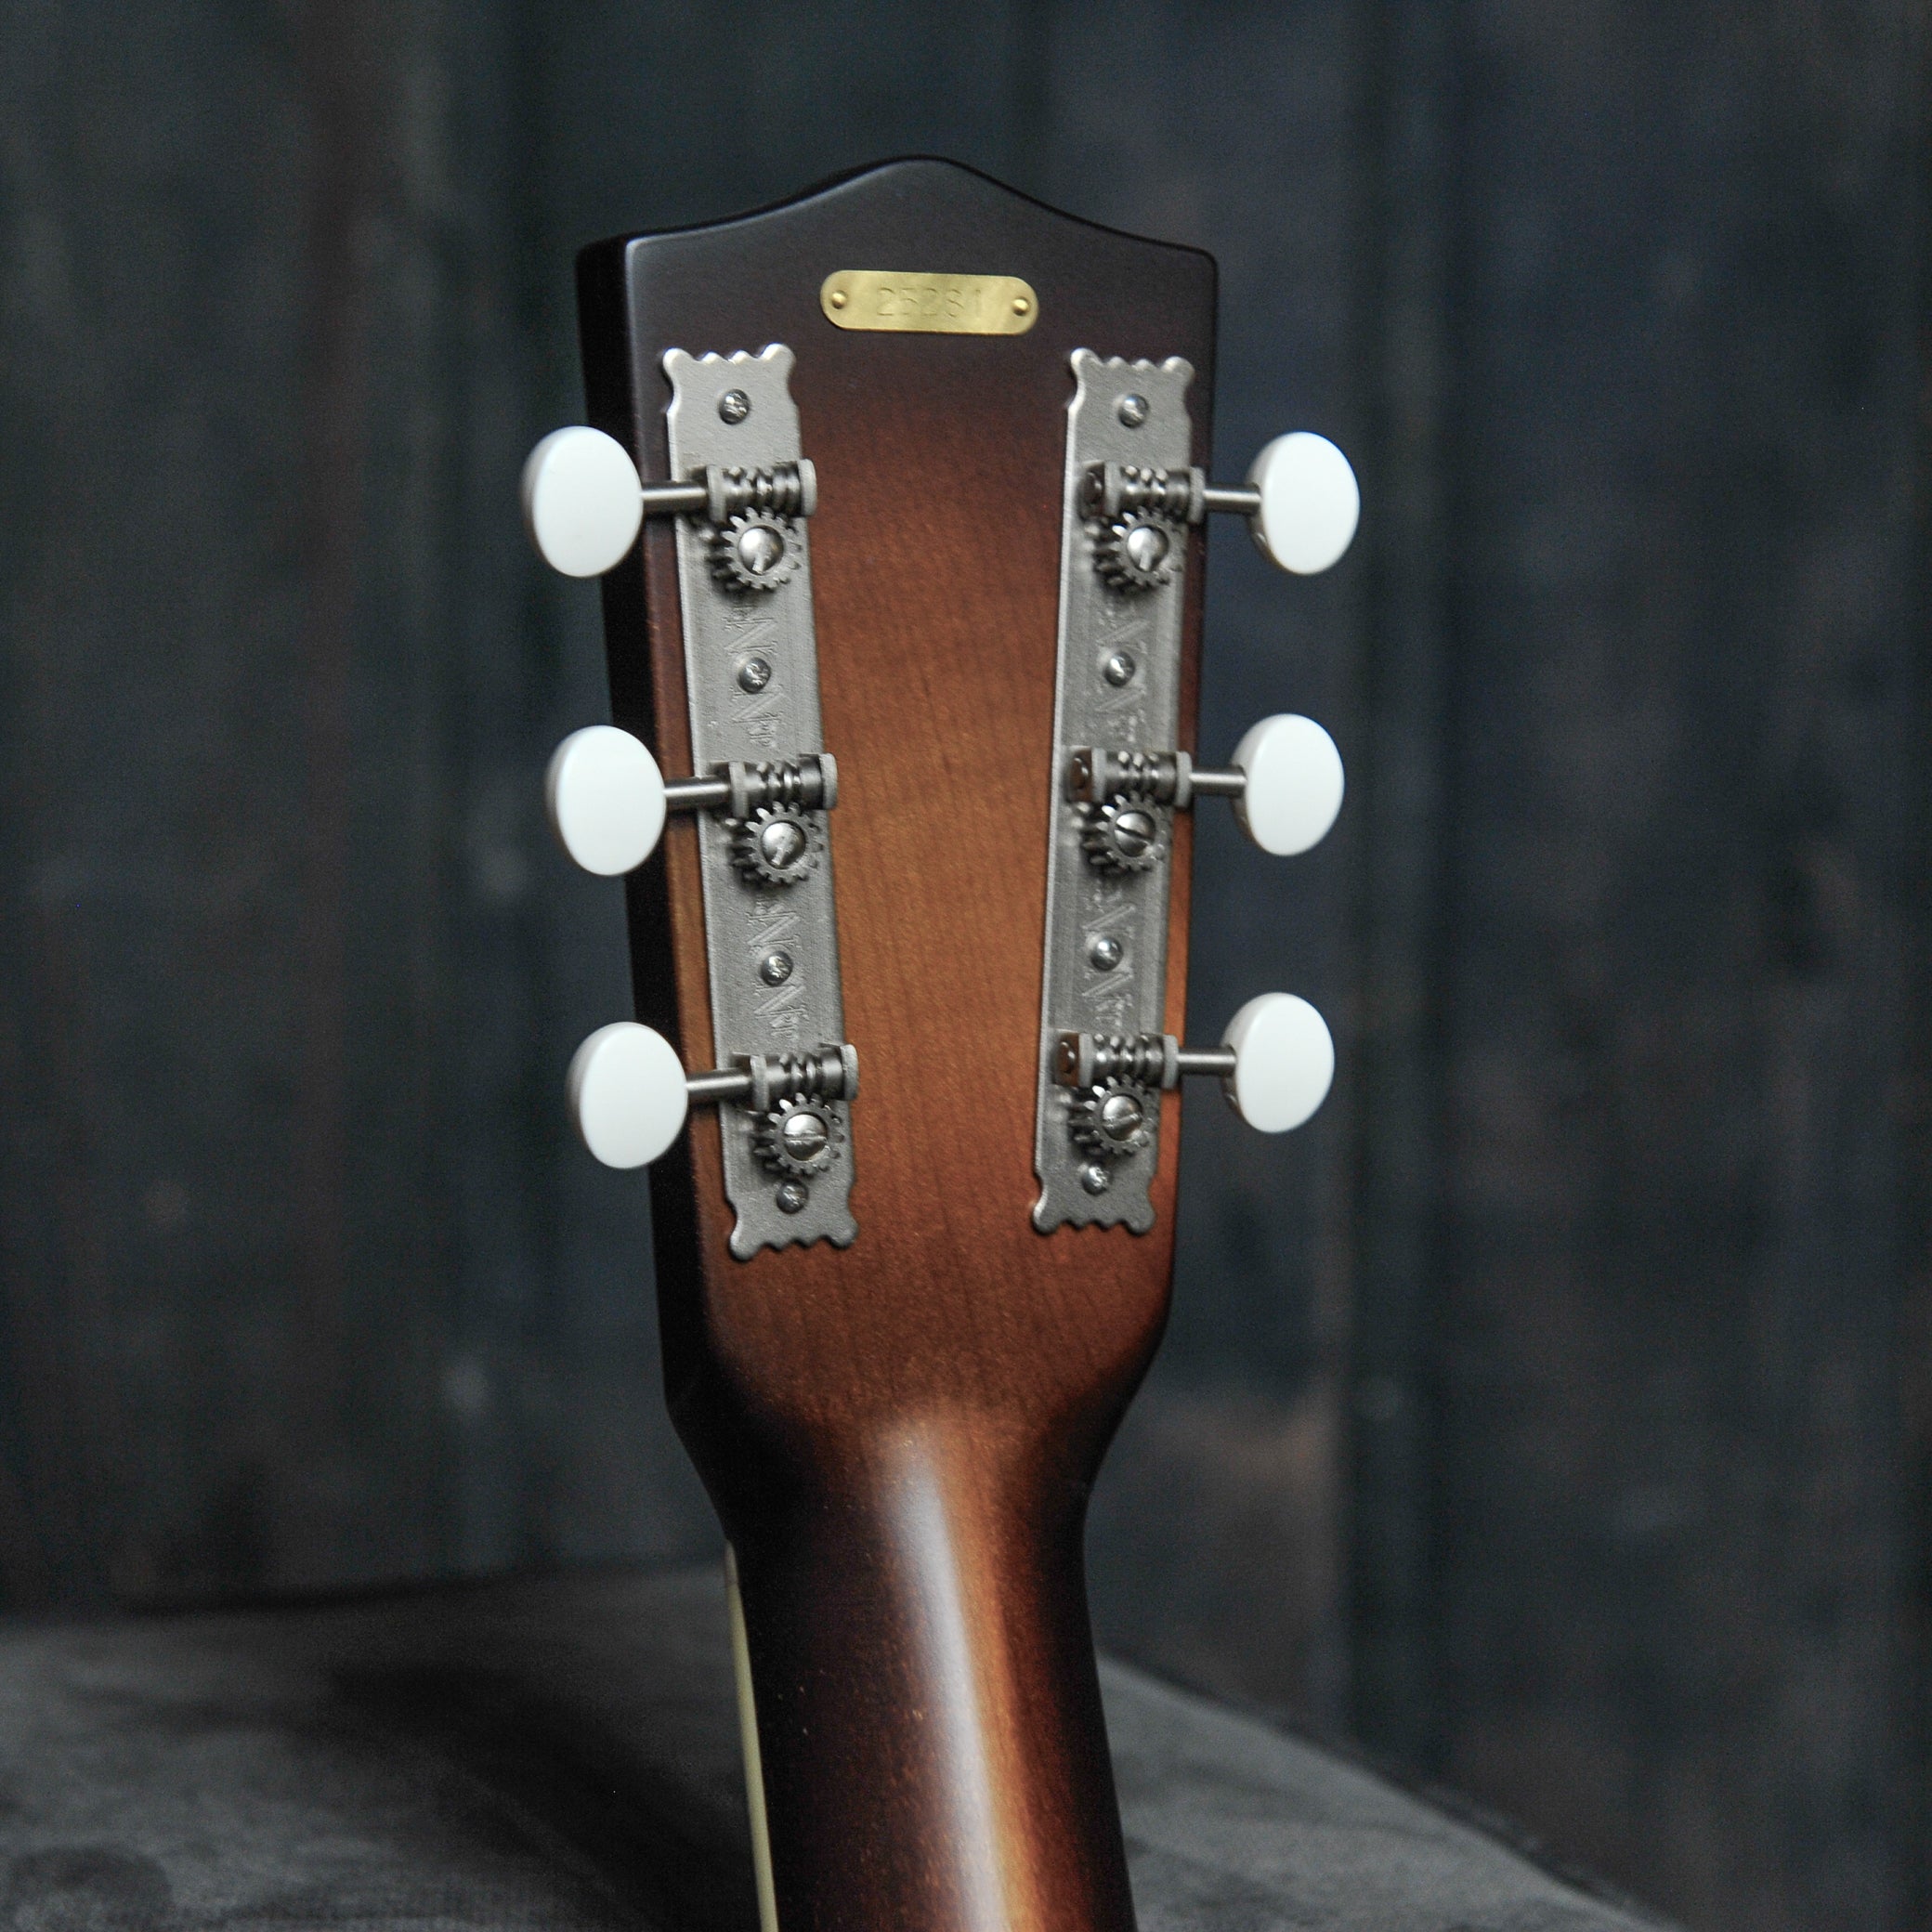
[{"x": 940, "y": 304}]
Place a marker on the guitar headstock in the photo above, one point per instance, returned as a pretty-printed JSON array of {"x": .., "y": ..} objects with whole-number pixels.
[{"x": 898, "y": 494}]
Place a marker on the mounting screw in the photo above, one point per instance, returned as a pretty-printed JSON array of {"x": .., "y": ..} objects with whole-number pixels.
[
  {"x": 1105, "y": 953},
  {"x": 1095, "y": 1179},
  {"x": 1134, "y": 833},
  {"x": 1119, "y": 669},
  {"x": 1133, "y": 410},
  {"x": 760, "y": 549},
  {"x": 754, "y": 674},
  {"x": 837, "y": 298},
  {"x": 734, "y": 406},
  {"x": 1146, "y": 548},
  {"x": 774, "y": 969},
  {"x": 793, "y": 1197},
  {"x": 781, "y": 842},
  {"x": 1021, "y": 306}
]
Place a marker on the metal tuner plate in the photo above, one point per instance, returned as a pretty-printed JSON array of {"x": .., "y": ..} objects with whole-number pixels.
[
  {"x": 1129, "y": 499},
  {"x": 751, "y": 669}
]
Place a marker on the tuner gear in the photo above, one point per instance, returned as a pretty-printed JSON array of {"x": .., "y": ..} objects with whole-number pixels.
[
  {"x": 777, "y": 845},
  {"x": 1111, "y": 1121},
  {"x": 1137, "y": 551},
  {"x": 755, "y": 551},
  {"x": 798, "y": 1136},
  {"x": 1125, "y": 835}
]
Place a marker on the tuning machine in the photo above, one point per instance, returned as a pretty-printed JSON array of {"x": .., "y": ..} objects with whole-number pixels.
[
  {"x": 607, "y": 802},
  {"x": 1284, "y": 782},
  {"x": 584, "y": 504},
  {"x": 760, "y": 792},
  {"x": 1276, "y": 1063},
  {"x": 1300, "y": 499},
  {"x": 630, "y": 1097},
  {"x": 1132, "y": 496}
]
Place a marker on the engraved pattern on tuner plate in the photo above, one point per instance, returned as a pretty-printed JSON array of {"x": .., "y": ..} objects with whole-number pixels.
[
  {"x": 1083, "y": 903},
  {"x": 745, "y": 921}
]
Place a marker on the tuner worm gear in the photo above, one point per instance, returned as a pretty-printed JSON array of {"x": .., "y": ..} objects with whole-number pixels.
[
  {"x": 1112, "y": 1121},
  {"x": 1137, "y": 551},
  {"x": 1124, "y": 836},
  {"x": 777, "y": 846},
  {"x": 756, "y": 551},
  {"x": 798, "y": 1136}
]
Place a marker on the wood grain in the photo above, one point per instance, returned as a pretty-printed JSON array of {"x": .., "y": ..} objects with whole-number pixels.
[{"x": 900, "y": 1437}]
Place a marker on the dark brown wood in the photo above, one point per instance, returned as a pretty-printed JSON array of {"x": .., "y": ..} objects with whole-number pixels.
[{"x": 900, "y": 1437}]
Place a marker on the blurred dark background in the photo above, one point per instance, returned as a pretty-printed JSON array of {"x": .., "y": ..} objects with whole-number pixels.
[{"x": 1552, "y": 1414}]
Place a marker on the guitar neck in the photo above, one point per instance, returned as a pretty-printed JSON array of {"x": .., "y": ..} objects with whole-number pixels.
[
  {"x": 901, "y": 1437},
  {"x": 920, "y": 468},
  {"x": 931, "y": 1737}
]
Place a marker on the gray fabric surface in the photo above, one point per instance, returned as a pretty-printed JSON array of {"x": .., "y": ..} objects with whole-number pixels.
[{"x": 563, "y": 1754}]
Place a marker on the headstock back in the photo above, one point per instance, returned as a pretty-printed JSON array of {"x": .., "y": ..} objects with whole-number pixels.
[{"x": 935, "y": 567}]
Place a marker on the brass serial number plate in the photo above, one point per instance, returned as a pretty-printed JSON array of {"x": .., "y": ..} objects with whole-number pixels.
[{"x": 939, "y": 305}]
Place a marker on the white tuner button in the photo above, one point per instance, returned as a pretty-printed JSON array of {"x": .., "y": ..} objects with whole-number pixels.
[
  {"x": 628, "y": 1095},
  {"x": 1284, "y": 1062},
  {"x": 606, "y": 799},
  {"x": 1294, "y": 783},
  {"x": 1310, "y": 504},
  {"x": 581, "y": 500}
]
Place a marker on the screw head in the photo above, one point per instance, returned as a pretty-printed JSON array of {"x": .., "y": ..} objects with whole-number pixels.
[
  {"x": 1134, "y": 833},
  {"x": 805, "y": 1134},
  {"x": 1021, "y": 306},
  {"x": 734, "y": 406},
  {"x": 1121, "y": 1116},
  {"x": 1095, "y": 1179},
  {"x": 1119, "y": 669},
  {"x": 754, "y": 674},
  {"x": 837, "y": 298},
  {"x": 781, "y": 843},
  {"x": 793, "y": 1197},
  {"x": 1146, "y": 547},
  {"x": 1105, "y": 953},
  {"x": 760, "y": 548},
  {"x": 1133, "y": 410},
  {"x": 774, "y": 969}
]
